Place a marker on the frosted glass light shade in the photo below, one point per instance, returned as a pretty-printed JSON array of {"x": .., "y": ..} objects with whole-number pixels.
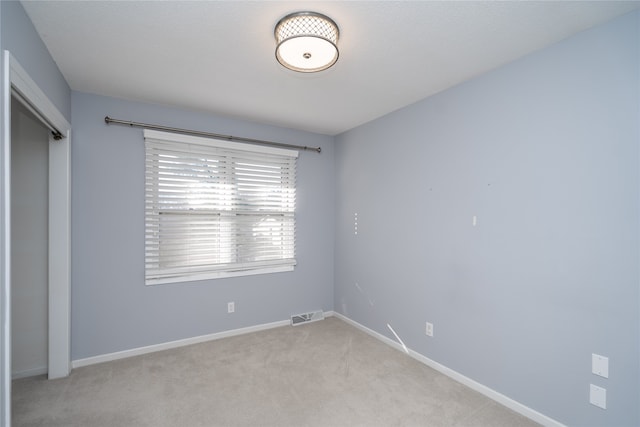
[{"x": 306, "y": 42}]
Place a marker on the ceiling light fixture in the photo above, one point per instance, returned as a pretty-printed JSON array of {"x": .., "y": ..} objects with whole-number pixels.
[{"x": 307, "y": 42}]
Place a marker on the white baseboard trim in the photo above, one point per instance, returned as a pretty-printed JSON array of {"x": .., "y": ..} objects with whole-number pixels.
[
  {"x": 28, "y": 373},
  {"x": 174, "y": 344},
  {"x": 518, "y": 407},
  {"x": 78, "y": 363}
]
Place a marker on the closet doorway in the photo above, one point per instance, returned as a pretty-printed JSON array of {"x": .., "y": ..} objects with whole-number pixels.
[
  {"x": 29, "y": 243},
  {"x": 18, "y": 85}
]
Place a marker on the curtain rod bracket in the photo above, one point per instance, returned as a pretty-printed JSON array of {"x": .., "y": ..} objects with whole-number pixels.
[{"x": 108, "y": 120}]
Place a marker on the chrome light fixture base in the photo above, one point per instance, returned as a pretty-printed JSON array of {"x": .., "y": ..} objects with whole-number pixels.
[{"x": 307, "y": 42}]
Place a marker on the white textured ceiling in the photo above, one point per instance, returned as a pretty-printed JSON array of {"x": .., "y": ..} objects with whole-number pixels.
[{"x": 218, "y": 56}]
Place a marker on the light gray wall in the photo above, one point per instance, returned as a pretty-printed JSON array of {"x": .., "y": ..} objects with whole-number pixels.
[
  {"x": 29, "y": 242},
  {"x": 112, "y": 309},
  {"x": 545, "y": 152},
  {"x": 21, "y": 39}
]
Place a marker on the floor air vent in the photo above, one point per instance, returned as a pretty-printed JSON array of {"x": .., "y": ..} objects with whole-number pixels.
[{"x": 298, "y": 319}]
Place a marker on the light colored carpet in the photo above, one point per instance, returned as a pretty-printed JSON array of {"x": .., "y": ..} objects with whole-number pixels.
[{"x": 326, "y": 373}]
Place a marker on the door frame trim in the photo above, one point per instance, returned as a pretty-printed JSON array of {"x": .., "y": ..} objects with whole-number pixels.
[{"x": 59, "y": 292}]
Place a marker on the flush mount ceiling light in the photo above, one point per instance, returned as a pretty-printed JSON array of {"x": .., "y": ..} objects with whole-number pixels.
[{"x": 307, "y": 42}]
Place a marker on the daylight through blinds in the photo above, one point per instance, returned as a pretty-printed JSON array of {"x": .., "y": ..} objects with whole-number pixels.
[{"x": 215, "y": 207}]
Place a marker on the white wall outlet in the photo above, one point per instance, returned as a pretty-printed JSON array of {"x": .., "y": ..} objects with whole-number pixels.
[
  {"x": 231, "y": 307},
  {"x": 474, "y": 221},
  {"x": 600, "y": 365},
  {"x": 429, "y": 329},
  {"x": 598, "y": 396}
]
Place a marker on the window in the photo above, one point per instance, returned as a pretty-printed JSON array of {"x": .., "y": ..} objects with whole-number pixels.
[{"x": 215, "y": 208}]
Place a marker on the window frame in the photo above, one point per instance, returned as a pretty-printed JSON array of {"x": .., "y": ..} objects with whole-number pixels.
[{"x": 156, "y": 274}]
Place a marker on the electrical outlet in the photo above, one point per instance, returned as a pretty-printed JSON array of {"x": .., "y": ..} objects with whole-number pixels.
[
  {"x": 600, "y": 365},
  {"x": 429, "y": 329},
  {"x": 598, "y": 396},
  {"x": 231, "y": 307}
]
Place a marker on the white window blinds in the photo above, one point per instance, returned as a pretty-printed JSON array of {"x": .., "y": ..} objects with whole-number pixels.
[{"x": 215, "y": 208}]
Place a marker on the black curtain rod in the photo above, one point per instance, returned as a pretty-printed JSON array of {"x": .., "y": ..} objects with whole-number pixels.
[{"x": 109, "y": 120}]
